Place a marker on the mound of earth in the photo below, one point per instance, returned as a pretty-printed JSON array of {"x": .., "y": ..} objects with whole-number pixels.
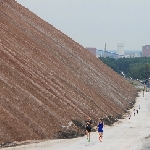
[{"x": 49, "y": 83}]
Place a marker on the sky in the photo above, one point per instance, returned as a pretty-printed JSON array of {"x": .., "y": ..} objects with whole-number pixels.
[{"x": 92, "y": 23}]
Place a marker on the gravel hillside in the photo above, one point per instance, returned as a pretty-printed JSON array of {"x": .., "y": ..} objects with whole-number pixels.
[{"x": 49, "y": 83}]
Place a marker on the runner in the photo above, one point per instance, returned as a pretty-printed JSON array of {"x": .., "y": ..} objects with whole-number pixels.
[
  {"x": 129, "y": 117},
  {"x": 88, "y": 128},
  {"x": 134, "y": 112},
  {"x": 100, "y": 129}
]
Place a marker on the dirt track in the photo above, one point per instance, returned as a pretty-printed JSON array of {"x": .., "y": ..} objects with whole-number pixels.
[{"x": 123, "y": 135}]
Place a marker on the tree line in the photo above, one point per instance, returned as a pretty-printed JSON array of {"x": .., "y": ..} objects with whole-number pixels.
[{"x": 135, "y": 68}]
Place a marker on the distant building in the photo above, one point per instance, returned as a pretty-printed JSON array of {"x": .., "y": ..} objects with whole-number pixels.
[
  {"x": 137, "y": 54},
  {"x": 146, "y": 51},
  {"x": 92, "y": 50},
  {"x": 113, "y": 54},
  {"x": 100, "y": 53},
  {"x": 120, "y": 48},
  {"x": 104, "y": 53},
  {"x": 132, "y": 54}
]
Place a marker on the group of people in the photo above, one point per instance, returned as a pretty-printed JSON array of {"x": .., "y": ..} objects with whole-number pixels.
[
  {"x": 134, "y": 112},
  {"x": 88, "y": 128},
  {"x": 100, "y": 126}
]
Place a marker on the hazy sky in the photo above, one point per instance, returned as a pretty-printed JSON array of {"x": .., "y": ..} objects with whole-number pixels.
[{"x": 92, "y": 23}]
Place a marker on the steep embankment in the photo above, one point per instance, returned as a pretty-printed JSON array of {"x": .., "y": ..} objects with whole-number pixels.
[{"x": 48, "y": 80}]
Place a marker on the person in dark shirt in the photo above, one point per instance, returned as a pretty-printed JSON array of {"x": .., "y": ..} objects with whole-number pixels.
[
  {"x": 134, "y": 112},
  {"x": 88, "y": 128}
]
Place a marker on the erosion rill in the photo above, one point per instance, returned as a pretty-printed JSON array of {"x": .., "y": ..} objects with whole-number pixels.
[{"x": 49, "y": 83}]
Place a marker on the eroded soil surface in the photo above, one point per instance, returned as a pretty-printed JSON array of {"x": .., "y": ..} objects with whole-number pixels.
[{"x": 49, "y": 83}]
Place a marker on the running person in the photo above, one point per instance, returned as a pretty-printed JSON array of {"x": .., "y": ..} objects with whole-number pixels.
[
  {"x": 134, "y": 112},
  {"x": 88, "y": 128},
  {"x": 100, "y": 129},
  {"x": 129, "y": 117}
]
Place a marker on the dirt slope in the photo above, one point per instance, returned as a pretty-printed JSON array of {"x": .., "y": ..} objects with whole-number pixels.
[{"x": 48, "y": 82}]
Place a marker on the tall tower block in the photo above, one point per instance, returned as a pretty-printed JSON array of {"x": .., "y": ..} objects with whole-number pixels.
[{"x": 120, "y": 48}]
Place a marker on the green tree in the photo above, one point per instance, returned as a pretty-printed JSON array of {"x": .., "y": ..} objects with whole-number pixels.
[{"x": 136, "y": 68}]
